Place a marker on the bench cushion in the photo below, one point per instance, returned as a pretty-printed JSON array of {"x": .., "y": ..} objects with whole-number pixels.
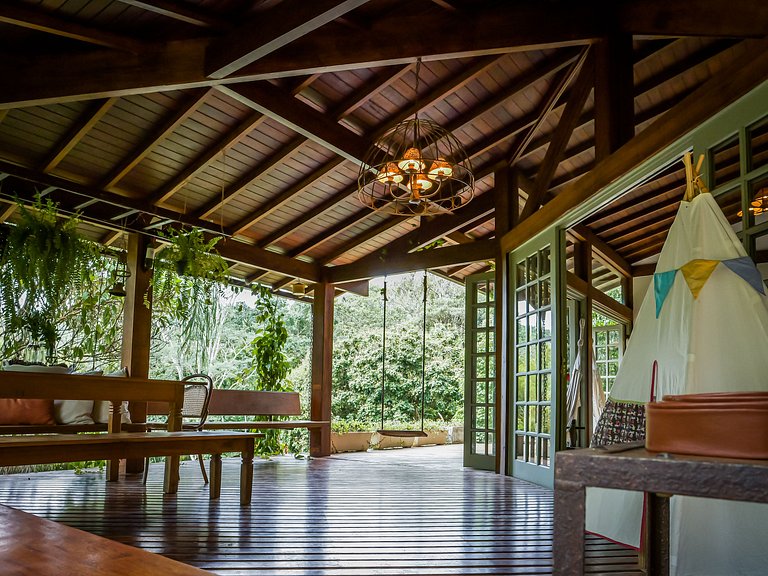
[
  {"x": 18, "y": 411},
  {"x": 73, "y": 411}
]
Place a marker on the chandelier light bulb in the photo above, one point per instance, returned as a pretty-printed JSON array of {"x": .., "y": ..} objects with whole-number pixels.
[
  {"x": 440, "y": 170},
  {"x": 411, "y": 162}
]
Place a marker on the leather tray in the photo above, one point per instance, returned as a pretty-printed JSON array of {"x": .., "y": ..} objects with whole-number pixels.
[{"x": 728, "y": 425}]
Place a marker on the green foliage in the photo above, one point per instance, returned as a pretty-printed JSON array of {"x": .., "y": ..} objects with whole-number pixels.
[
  {"x": 357, "y": 354},
  {"x": 53, "y": 292},
  {"x": 269, "y": 370},
  {"x": 188, "y": 299}
]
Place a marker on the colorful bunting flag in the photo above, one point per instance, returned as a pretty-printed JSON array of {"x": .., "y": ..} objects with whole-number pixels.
[
  {"x": 746, "y": 269},
  {"x": 696, "y": 274},
  {"x": 662, "y": 284}
]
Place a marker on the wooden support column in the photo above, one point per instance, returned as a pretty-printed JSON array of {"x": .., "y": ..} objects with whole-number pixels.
[
  {"x": 137, "y": 325},
  {"x": 506, "y": 196},
  {"x": 322, "y": 361},
  {"x": 614, "y": 98}
]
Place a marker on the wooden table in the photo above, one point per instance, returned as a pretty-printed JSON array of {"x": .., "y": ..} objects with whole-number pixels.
[
  {"x": 51, "y": 448},
  {"x": 656, "y": 474},
  {"x": 32, "y": 546}
]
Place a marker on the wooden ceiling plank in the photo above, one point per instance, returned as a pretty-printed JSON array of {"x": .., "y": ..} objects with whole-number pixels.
[
  {"x": 709, "y": 98},
  {"x": 373, "y": 86},
  {"x": 398, "y": 263},
  {"x": 724, "y": 18},
  {"x": 88, "y": 120},
  {"x": 369, "y": 234},
  {"x": 693, "y": 60},
  {"x": 549, "y": 101},
  {"x": 643, "y": 269},
  {"x": 270, "y": 30},
  {"x": 3, "y": 114},
  {"x": 429, "y": 231},
  {"x": 242, "y": 183},
  {"x": 48, "y": 23},
  {"x": 183, "y": 12},
  {"x": 54, "y": 182},
  {"x": 230, "y": 138},
  {"x": 581, "y": 88},
  {"x": 306, "y": 217},
  {"x": 302, "y": 119},
  {"x": 391, "y": 40},
  {"x": 271, "y": 205},
  {"x": 166, "y": 128}
]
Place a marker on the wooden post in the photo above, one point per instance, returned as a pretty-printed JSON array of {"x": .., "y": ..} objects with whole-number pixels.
[
  {"x": 506, "y": 195},
  {"x": 614, "y": 97},
  {"x": 322, "y": 359},
  {"x": 137, "y": 326}
]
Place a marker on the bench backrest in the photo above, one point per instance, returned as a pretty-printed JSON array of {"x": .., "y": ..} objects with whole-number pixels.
[
  {"x": 40, "y": 385},
  {"x": 244, "y": 403}
]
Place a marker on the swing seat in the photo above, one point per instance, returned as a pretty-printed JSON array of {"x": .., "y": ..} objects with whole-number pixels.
[{"x": 403, "y": 433}]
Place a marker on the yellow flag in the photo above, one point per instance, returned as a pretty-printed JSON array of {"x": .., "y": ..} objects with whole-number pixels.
[{"x": 696, "y": 274}]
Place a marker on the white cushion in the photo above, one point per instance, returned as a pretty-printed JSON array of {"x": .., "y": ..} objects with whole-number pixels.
[
  {"x": 100, "y": 412},
  {"x": 36, "y": 368},
  {"x": 73, "y": 411}
]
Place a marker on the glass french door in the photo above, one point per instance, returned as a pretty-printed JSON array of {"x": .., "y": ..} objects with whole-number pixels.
[
  {"x": 536, "y": 277},
  {"x": 480, "y": 440}
]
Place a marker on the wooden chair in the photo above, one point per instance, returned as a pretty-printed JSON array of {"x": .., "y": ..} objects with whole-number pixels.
[{"x": 194, "y": 412}]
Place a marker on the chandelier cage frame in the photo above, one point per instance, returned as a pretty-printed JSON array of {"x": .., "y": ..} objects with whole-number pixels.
[{"x": 417, "y": 167}]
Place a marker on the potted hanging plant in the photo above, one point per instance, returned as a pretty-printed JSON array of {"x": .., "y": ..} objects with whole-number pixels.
[
  {"x": 188, "y": 281},
  {"x": 44, "y": 260}
]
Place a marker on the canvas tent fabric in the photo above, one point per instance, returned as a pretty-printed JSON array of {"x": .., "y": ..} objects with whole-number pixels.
[{"x": 715, "y": 342}]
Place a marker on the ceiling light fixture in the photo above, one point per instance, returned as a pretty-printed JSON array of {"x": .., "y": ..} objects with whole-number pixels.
[
  {"x": 417, "y": 167},
  {"x": 759, "y": 204}
]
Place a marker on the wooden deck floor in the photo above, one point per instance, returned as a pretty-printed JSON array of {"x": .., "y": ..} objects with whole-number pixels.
[{"x": 413, "y": 511}]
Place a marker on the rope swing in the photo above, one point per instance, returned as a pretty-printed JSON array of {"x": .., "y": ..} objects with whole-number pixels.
[{"x": 404, "y": 433}]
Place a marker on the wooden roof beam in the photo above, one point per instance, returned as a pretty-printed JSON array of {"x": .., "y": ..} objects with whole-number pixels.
[
  {"x": 603, "y": 252},
  {"x": 369, "y": 234},
  {"x": 183, "y": 12},
  {"x": 271, "y": 30},
  {"x": 48, "y": 23},
  {"x": 229, "y": 139},
  {"x": 257, "y": 171},
  {"x": 160, "y": 133},
  {"x": 399, "y": 263},
  {"x": 301, "y": 118},
  {"x": 581, "y": 88},
  {"x": 709, "y": 98},
  {"x": 442, "y": 35},
  {"x": 556, "y": 90},
  {"x": 83, "y": 125}
]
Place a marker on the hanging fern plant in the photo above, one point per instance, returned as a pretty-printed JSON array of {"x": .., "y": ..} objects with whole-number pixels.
[
  {"x": 188, "y": 280},
  {"x": 44, "y": 260}
]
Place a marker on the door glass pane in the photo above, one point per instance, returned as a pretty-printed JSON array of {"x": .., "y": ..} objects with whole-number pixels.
[{"x": 533, "y": 366}]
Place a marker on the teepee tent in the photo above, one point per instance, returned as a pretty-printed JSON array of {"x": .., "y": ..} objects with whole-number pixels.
[{"x": 705, "y": 325}]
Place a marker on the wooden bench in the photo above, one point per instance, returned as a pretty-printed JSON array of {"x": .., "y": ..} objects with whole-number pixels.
[
  {"x": 47, "y": 448},
  {"x": 32, "y": 546},
  {"x": 249, "y": 403}
]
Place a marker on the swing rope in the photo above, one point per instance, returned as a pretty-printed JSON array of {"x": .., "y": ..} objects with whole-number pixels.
[{"x": 404, "y": 433}]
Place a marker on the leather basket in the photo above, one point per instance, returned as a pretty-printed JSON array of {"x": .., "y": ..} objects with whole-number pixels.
[{"x": 728, "y": 425}]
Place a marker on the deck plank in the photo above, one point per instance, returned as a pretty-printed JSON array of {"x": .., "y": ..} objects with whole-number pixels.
[{"x": 410, "y": 511}]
